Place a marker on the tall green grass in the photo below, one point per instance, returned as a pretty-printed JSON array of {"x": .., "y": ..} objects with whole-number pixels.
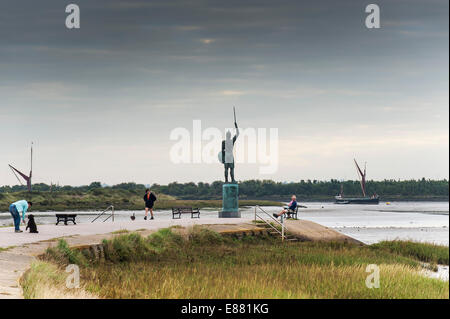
[
  {"x": 46, "y": 280},
  {"x": 425, "y": 252},
  {"x": 62, "y": 254}
]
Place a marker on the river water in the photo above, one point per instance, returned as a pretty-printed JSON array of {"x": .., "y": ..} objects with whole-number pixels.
[{"x": 418, "y": 221}]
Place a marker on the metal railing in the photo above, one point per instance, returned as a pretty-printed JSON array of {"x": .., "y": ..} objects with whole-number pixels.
[
  {"x": 280, "y": 224},
  {"x": 103, "y": 212}
]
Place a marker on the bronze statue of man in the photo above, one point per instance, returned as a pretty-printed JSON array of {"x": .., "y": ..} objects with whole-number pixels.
[{"x": 226, "y": 155}]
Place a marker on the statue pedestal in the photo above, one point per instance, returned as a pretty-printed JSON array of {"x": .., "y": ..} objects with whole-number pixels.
[{"x": 230, "y": 201}]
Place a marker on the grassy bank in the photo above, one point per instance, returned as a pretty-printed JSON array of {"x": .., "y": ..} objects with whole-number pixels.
[
  {"x": 204, "y": 264},
  {"x": 48, "y": 281},
  {"x": 429, "y": 253},
  {"x": 98, "y": 199}
]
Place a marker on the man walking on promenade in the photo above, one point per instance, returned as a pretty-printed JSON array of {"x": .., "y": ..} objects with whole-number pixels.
[
  {"x": 149, "y": 199},
  {"x": 19, "y": 208}
]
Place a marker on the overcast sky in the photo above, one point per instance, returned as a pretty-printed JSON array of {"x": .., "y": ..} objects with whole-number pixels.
[{"x": 100, "y": 102}]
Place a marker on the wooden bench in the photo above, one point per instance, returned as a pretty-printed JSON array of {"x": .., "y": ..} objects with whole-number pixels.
[
  {"x": 293, "y": 214},
  {"x": 66, "y": 218},
  {"x": 177, "y": 211}
]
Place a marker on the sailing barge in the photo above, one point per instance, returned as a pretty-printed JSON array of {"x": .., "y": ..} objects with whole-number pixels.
[{"x": 365, "y": 200}]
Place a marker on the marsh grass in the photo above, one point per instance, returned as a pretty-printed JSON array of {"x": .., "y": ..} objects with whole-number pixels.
[
  {"x": 208, "y": 265},
  {"x": 425, "y": 252},
  {"x": 120, "y": 231},
  {"x": 46, "y": 280},
  {"x": 206, "y": 280}
]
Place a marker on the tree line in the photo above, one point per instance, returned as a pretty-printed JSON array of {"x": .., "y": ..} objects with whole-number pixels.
[{"x": 258, "y": 189}]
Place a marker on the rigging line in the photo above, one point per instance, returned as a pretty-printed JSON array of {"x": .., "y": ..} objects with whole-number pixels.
[{"x": 17, "y": 177}]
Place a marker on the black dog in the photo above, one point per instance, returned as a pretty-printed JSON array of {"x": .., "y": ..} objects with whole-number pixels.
[{"x": 31, "y": 224}]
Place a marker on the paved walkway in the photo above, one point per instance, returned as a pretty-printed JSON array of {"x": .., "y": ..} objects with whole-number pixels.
[
  {"x": 22, "y": 248},
  {"x": 46, "y": 232},
  {"x": 310, "y": 231}
]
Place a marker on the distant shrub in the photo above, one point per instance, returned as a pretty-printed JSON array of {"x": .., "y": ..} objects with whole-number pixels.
[
  {"x": 133, "y": 247},
  {"x": 63, "y": 254},
  {"x": 203, "y": 236},
  {"x": 164, "y": 239},
  {"x": 97, "y": 191}
]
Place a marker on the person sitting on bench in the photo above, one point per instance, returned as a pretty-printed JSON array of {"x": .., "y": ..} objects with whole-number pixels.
[{"x": 289, "y": 209}]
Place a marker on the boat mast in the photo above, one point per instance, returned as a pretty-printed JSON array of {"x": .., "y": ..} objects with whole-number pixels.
[
  {"x": 362, "y": 176},
  {"x": 31, "y": 169}
]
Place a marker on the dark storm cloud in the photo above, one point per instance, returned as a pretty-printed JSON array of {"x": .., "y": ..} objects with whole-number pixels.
[
  {"x": 208, "y": 39},
  {"x": 195, "y": 42},
  {"x": 165, "y": 29}
]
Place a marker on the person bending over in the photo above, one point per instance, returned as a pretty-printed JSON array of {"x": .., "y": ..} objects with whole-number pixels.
[
  {"x": 19, "y": 208},
  {"x": 289, "y": 209},
  {"x": 149, "y": 199}
]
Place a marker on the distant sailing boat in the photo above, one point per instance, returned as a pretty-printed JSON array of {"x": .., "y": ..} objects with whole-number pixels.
[{"x": 373, "y": 200}]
